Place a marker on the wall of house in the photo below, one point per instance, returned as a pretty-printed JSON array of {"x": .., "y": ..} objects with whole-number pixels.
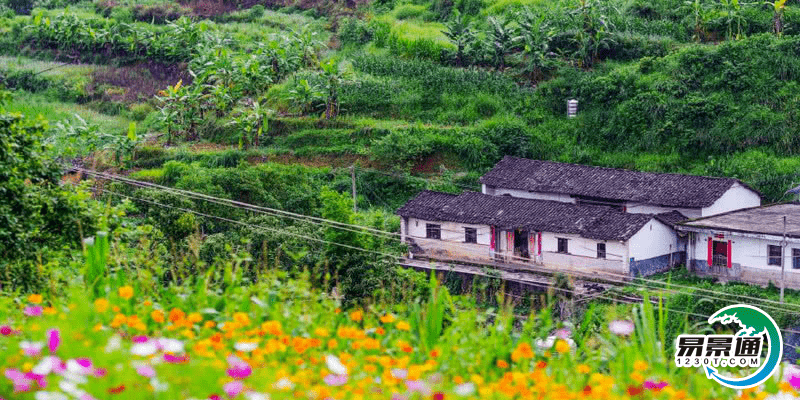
[
  {"x": 452, "y": 243},
  {"x": 736, "y": 198},
  {"x": 653, "y": 240},
  {"x": 748, "y": 259},
  {"x": 583, "y": 254},
  {"x": 524, "y": 194},
  {"x": 642, "y": 208}
]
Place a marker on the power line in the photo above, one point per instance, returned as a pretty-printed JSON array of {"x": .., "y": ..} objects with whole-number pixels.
[{"x": 622, "y": 279}]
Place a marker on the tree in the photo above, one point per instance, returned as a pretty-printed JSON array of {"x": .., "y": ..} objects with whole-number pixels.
[
  {"x": 459, "y": 31},
  {"x": 535, "y": 35},
  {"x": 777, "y": 17},
  {"x": 334, "y": 74},
  {"x": 502, "y": 38},
  {"x": 594, "y": 34}
]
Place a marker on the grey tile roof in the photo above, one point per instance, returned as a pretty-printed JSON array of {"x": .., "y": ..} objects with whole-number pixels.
[
  {"x": 765, "y": 220},
  {"x": 671, "y": 218},
  {"x": 505, "y": 212},
  {"x": 670, "y": 190}
]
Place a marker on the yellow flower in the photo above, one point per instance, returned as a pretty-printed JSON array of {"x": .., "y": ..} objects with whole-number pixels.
[
  {"x": 241, "y": 318},
  {"x": 101, "y": 305},
  {"x": 35, "y": 298},
  {"x": 584, "y": 369},
  {"x": 273, "y": 328},
  {"x": 403, "y": 326},
  {"x": 356, "y": 315},
  {"x": 157, "y": 316},
  {"x": 194, "y": 317},
  {"x": 49, "y": 311},
  {"x": 640, "y": 365},
  {"x": 125, "y": 292},
  {"x": 387, "y": 319},
  {"x": 321, "y": 332},
  {"x": 562, "y": 346}
]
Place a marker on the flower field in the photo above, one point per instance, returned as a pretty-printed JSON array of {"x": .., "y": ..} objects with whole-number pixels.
[{"x": 282, "y": 339}]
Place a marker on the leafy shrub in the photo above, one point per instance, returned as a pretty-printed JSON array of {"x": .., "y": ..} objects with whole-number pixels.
[
  {"x": 354, "y": 31},
  {"x": 407, "y": 11},
  {"x": 122, "y": 14},
  {"x": 139, "y": 111}
]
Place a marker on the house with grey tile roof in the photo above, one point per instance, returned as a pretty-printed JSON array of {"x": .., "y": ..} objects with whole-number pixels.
[
  {"x": 569, "y": 216},
  {"x": 587, "y": 238},
  {"x": 747, "y": 245},
  {"x": 631, "y": 191}
]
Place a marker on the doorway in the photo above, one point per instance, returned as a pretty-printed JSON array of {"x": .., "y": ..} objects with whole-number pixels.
[{"x": 521, "y": 244}]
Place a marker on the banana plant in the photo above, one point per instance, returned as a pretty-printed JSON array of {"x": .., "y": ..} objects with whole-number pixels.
[
  {"x": 535, "y": 36},
  {"x": 304, "y": 95},
  {"x": 459, "y": 31},
  {"x": 334, "y": 75},
  {"x": 777, "y": 17}
]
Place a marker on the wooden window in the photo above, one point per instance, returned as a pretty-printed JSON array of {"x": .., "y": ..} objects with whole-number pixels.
[
  {"x": 601, "y": 250},
  {"x": 773, "y": 255},
  {"x": 470, "y": 235},
  {"x": 795, "y": 258},
  {"x": 433, "y": 231},
  {"x": 562, "y": 246}
]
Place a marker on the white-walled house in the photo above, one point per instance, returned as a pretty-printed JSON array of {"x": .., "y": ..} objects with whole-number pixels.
[
  {"x": 553, "y": 234},
  {"x": 630, "y": 191},
  {"x": 745, "y": 245}
]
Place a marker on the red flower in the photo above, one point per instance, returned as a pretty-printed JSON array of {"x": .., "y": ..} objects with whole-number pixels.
[
  {"x": 634, "y": 390},
  {"x": 587, "y": 390},
  {"x": 5, "y": 330},
  {"x": 541, "y": 364},
  {"x": 438, "y": 396},
  {"x": 117, "y": 389},
  {"x": 214, "y": 397}
]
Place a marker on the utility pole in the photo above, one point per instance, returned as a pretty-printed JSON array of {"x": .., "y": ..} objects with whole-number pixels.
[
  {"x": 783, "y": 259},
  {"x": 353, "y": 179}
]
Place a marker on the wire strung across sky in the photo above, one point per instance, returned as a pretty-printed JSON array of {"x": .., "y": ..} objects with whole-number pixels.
[{"x": 620, "y": 278}]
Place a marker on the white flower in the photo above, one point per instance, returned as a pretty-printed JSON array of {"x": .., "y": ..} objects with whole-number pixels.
[
  {"x": 284, "y": 383},
  {"x": 145, "y": 349},
  {"x": 50, "y": 396},
  {"x": 170, "y": 345},
  {"x": 158, "y": 386},
  {"x": 245, "y": 347},
  {"x": 465, "y": 389},
  {"x": 335, "y": 366},
  {"x": 256, "y": 396},
  {"x": 782, "y": 396},
  {"x": 70, "y": 387},
  {"x": 114, "y": 344},
  {"x": 75, "y": 368},
  {"x": 46, "y": 366},
  {"x": 547, "y": 343},
  {"x": 621, "y": 327}
]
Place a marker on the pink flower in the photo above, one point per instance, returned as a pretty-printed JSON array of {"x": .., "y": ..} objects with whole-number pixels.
[
  {"x": 233, "y": 388},
  {"x": 5, "y": 330},
  {"x": 240, "y": 371},
  {"x": 31, "y": 349},
  {"x": 418, "y": 386},
  {"x": 654, "y": 385},
  {"x": 146, "y": 371},
  {"x": 621, "y": 327},
  {"x": 100, "y": 372},
  {"x": 32, "y": 311},
  {"x": 563, "y": 333},
  {"x": 40, "y": 379},
  {"x": 53, "y": 340},
  {"x": 171, "y": 358},
  {"x": 795, "y": 382},
  {"x": 335, "y": 380},
  {"x": 139, "y": 339}
]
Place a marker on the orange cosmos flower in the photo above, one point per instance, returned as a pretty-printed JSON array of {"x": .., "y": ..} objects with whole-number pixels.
[
  {"x": 101, "y": 305},
  {"x": 125, "y": 292}
]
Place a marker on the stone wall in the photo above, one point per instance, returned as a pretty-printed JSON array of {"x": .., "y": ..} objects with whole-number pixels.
[{"x": 655, "y": 265}]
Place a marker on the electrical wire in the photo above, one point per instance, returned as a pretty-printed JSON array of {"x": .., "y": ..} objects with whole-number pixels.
[{"x": 624, "y": 279}]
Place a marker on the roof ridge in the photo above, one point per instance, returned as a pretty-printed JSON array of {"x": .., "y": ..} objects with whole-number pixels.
[{"x": 623, "y": 169}]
